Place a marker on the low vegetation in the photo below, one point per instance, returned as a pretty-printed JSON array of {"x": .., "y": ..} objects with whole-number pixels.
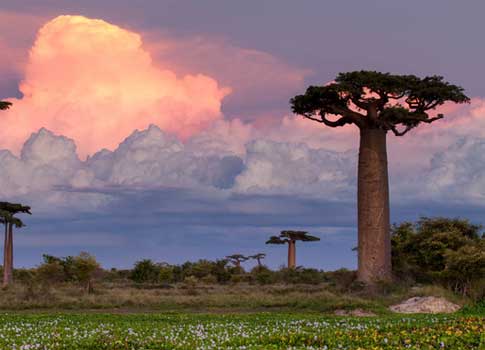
[{"x": 255, "y": 331}]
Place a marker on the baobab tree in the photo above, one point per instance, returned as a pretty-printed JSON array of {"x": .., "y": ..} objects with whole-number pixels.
[
  {"x": 290, "y": 237},
  {"x": 237, "y": 259},
  {"x": 7, "y": 217},
  {"x": 376, "y": 103},
  {"x": 258, "y": 257}
]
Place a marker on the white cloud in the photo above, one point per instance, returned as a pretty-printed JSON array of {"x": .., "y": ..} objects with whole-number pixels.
[
  {"x": 459, "y": 171},
  {"x": 229, "y": 158},
  {"x": 276, "y": 167}
]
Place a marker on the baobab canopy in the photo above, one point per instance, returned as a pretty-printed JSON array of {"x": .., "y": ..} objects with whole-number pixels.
[
  {"x": 286, "y": 236},
  {"x": 5, "y": 105},
  {"x": 391, "y": 101},
  {"x": 14, "y": 208}
]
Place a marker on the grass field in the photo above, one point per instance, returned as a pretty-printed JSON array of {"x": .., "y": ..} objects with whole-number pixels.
[
  {"x": 210, "y": 298},
  {"x": 251, "y": 331}
]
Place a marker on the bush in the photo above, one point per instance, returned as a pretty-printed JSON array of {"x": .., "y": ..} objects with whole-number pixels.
[
  {"x": 465, "y": 268},
  {"x": 166, "y": 274},
  {"x": 50, "y": 273},
  {"x": 209, "y": 279},
  {"x": 343, "y": 280},
  {"x": 145, "y": 271},
  {"x": 84, "y": 268},
  {"x": 262, "y": 275},
  {"x": 301, "y": 276},
  {"x": 439, "y": 250}
]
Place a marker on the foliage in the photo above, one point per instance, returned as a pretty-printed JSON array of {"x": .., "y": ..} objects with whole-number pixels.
[
  {"x": 301, "y": 275},
  {"x": 389, "y": 100},
  {"x": 84, "y": 267},
  {"x": 5, "y": 105},
  {"x": 263, "y": 275},
  {"x": 342, "y": 279},
  {"x": 250, "y": 332},
  {"x": 237, "y": 259},
  {"x": 145, "y": 271},
  {"x": 51, "y": 273},
  {"x": 449, "y": 251},
  {"x": 286, "y": 236}
]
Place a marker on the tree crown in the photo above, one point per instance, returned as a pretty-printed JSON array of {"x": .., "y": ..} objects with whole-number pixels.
[
  {"x": 237, "y": 257},
  {"x": 5, "y": 105},
  {"x": 14, "y": 208},
  {"x": 8, "y": 211},
  {"x": 372, "y": 99},
  {"x": 287, "y": 236}
]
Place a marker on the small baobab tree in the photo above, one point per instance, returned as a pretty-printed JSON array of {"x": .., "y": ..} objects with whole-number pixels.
[
  {"x": 258, "y": 257},
  {"x": 5, "y": 105},
  {"x": 290, "y": 238},
  {"x": 237, "y": 259},
  {"x": 377, "y": 103},
  {"x": 7, "y": 217}
]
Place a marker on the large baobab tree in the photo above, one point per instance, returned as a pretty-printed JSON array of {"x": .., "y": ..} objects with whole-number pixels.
[
  {"x": 376, "y": 103},
  {"x": 290, "y": 237},
  {"x": 7, "y": 217}
]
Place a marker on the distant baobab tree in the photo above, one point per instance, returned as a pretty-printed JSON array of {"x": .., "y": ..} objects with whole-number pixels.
[
  {"x": 7, "y": 217},
  {"x": 376, "y": 103},
  {"x": 236, "y": 259},
  {"x": 290, "y": 237},
  {"x": 5, "y": 105},
  {"x": 258, "y": 257}
]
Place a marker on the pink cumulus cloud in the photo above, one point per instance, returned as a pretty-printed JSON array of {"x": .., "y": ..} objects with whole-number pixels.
[{"x": 94, "y": 82}]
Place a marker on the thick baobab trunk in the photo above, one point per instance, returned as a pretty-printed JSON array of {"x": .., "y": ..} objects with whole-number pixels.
[
  {"x": 373, "y": 208},
  {"x": 291, "y": 254}
]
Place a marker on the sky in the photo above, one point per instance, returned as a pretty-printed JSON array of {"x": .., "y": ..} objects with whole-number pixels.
[{"x": 162, "y": 129}]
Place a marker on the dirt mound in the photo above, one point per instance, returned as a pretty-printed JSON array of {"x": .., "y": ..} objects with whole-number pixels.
[{"x": 425, "y": 305}]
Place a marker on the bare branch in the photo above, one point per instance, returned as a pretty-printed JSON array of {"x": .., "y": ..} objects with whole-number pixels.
[
  {"x": 354, "y": 117},
  {"x": 358, "y": 103},
  {"x": 339, "y": 122},
  {"x": 424, "y": 118},
  {"x": 400, "y": 133},
  {"x": 396, "y": 97}
]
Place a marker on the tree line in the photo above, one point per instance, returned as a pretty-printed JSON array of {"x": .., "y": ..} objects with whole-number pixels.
[{"x": 440, "y": 251}]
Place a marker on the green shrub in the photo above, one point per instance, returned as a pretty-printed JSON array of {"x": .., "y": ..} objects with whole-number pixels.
[
  {"x": 262, "y": 275},
  {"x": 84, "y": 268},
  {"x": 145, "y": 271},
  {"x": 301, "y": 275},
  {"x": 343, "y": 279},
  {"x": 50, "y": 273},
  {"x": 440, "y": 250},
  {"x": 166, "y": 274}
]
